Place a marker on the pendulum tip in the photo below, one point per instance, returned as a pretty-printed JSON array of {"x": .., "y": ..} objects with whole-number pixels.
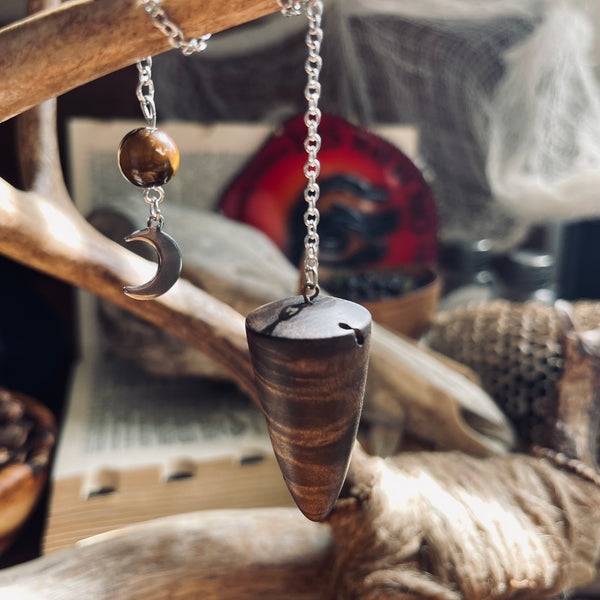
[{"x": 316, "y": 502}]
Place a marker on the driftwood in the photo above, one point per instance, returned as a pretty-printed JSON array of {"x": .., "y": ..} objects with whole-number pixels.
[
  {"x": 407, "y": 386},
  {"x": 47, "y": 233},
  {"x": 419, "y": 525}
]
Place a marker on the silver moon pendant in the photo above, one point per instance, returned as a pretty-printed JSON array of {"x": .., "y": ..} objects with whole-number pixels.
[{"x": 169, "y": 263}]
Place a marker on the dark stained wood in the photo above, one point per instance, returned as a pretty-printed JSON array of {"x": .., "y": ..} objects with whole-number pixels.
[
  {"x": 148, "y": 157},
  {"x": 310, "y": 363}
]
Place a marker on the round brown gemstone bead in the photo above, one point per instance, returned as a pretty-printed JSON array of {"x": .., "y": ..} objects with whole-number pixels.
[{"x": 148, "y": 157}]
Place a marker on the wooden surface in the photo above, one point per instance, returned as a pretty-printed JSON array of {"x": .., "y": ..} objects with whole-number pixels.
[
  {"x": 265, "y": 554},
  {"x": 57, "y": 50},
  {"x": 58, "y": 241},
  {"x": 310, "y": 363},
  {"x": 143, "y": 494},
  {"x": 407, "y": 386},
  {"x": 574, "y": 430},
  {"x": 270, "y": 554}
]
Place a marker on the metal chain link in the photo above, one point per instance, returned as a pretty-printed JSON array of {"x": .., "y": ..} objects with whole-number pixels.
[
  {"x": 153, "y": 196},
  {"x": 312, "y": 143},
  {"x": 145, "y": 91},
  {"x": 291, "y": 8},
  {"x": 172, "y": 30}
]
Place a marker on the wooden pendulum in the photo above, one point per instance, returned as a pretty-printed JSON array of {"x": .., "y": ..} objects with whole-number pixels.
[
  {"x": 149, "y": 158},
  {"x": 310, "y": 353},
  {"x": 310, "y": 363}
]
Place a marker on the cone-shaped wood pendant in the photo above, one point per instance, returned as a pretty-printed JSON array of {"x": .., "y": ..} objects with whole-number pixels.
[{"x": 310, "y": 364}]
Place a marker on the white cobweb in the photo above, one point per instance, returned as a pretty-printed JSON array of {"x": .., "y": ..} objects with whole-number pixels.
[{"x": 502, "y": 92}]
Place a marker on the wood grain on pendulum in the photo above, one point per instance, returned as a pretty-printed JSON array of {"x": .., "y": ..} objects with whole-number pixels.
[{"x": 310, "y": 363}]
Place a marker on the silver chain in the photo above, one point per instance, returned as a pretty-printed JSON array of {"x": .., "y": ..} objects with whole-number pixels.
[
  {"x": 291, "y": 8},
  {"x": 145, "y": 91},
  {"x": 172, "y": 30},
  {"x": 312, "y": 143},
  {"x": 153, "y": 196}
]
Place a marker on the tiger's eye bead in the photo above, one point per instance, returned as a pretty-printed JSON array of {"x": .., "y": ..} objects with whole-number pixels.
[{"x": 148, "y": 157}]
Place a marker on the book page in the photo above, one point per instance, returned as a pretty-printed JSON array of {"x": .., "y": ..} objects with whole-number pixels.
[{"x": 121, "y": 418}]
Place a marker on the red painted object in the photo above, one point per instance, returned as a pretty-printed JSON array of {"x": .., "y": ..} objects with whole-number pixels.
[{"x": 376, "y": 209}]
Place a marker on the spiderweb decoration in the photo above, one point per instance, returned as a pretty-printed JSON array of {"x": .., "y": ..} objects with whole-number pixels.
[{"x": 502, "y": 93}]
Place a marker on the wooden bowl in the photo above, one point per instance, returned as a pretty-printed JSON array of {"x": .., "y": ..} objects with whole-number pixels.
[
  {"x": 27, "y": 438},
  {"x": 409, "y": 314}
]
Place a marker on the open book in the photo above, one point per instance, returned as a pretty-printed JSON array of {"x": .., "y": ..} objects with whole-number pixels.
[{"x": 136, "y": 447}]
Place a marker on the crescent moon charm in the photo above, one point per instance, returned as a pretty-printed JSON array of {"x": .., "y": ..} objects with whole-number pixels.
[{"x": 169, "y": 262}]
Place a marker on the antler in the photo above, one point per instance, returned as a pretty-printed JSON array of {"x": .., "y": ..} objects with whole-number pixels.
[{"x": 57, "y": 50}]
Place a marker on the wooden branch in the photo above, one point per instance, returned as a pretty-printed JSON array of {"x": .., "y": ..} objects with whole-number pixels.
[
  {"x": 57, "y": 50},
  {"x": 439, "y": 404},
  {"x": 412, "y": 527},
  {"x": 214, "y": 555}
]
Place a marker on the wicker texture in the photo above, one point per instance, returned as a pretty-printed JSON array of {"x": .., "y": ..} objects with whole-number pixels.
[{"x": 516, "y": 349}]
